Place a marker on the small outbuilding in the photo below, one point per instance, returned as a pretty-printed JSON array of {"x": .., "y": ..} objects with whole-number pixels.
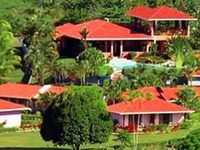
[{"x": 10, "y": 113}]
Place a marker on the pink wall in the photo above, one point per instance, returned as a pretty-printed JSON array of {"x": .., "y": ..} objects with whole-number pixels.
[
  {"x": 12, "y": 119},
  {"x": 145, "y": 119},
  {"x": 176, "y": 118},
  {"x": 118, "y": 117}
]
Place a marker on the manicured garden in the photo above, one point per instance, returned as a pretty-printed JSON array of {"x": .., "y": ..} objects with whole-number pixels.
[{"x": 32, "y": 139}]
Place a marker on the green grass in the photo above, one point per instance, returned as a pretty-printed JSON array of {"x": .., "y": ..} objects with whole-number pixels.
[
  {"x": 30, "y": 140},
  {"x": 34, "y": 140}
]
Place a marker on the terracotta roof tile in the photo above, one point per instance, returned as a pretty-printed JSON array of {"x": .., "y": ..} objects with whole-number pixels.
[
  {"x": 159, "y": 13},
  {"x": 10, "y": 106},
  {"x": 143, "y": 106}
]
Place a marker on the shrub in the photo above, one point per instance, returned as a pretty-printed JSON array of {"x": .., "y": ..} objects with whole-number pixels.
[
  {"x": 104, "y": 71},
  {"x": 186, "y": 124},
  {"x": 133, "y": 55},
  {"x": 161, "y": 127},
  {"x": 3, "y": 130},
  {"x": 191, "y": 142}
]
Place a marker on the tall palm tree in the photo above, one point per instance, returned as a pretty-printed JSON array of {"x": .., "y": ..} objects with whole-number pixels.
[
  {"x": 82, "y": 70},
  {"x": 84, "y": 33},
  {"x": 192, "y": 64},
  {"x": 178, "y": 48}
]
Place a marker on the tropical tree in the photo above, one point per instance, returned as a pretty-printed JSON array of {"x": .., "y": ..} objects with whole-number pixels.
[
  {"x": 191, "y": 141},
  {"x": 7, "y": 52},
  {"x": 82, "y": 70},
  {"x": 178, "y": 49},
  {"x": 191, "y": 65},
  {"x": 77, "y": 117},
  {"x": 84, "y": 34},
  {"x": 124, "y": 138},
  {"x": 187, "y": 97},
  {"x": 94, "y": 57},
  {"x": 42, "y": 50},
  {"x": 113, "y": 90}
]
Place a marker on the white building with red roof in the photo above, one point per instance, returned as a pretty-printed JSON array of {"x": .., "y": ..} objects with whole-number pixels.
[
  {"x": 141, "y": 111},
  {"x": 121, "y": 39},
  {"x": 27, "y": 94},
  {"x": 10, "y": 113}
]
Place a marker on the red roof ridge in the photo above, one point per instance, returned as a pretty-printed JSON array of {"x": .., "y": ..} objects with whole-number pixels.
[
  {"x": 10, "y": 106},
  {"x": 158, "y": 10},
  {"x": 102, "y": 24}
]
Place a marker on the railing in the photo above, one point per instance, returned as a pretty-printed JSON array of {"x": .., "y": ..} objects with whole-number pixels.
[{"x": 170, "y": 32}]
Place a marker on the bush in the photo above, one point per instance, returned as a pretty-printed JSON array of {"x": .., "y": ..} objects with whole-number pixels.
[
  {"x": 161, "y": 127},
  {"x": 104, "y": 71},
  {"x": 150, "y": 58},
  {"x": 133, "y": 55},
  {"x": 3, "y": 130},
  {"x": 186, "y": 124},
  {"x": 191, "y": 142}
]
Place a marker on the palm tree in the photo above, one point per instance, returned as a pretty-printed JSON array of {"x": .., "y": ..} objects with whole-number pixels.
[
  {"x": 192, "y": 64},
  {"x": 82, "y": 70},
  {"x": 84, "y": 34},
  {"x": 7, "y": 52},
  {"x": 178, "y": 48}
]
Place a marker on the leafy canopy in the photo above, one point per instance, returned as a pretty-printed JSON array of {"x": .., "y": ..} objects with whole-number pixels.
[
  {"x": 187, "y": 97},
  {"x": 7, "y": 52},
  {"x": 77, "y": 117}
]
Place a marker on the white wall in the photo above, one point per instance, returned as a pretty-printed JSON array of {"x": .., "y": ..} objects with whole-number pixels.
[{"x": 12, "y": 119}]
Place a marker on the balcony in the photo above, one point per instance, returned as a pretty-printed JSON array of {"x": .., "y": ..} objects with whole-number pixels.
[{"x": 170, "y": 32}]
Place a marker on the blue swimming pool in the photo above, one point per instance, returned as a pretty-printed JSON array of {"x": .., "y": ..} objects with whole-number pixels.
[{"x": 119, "y": 63}]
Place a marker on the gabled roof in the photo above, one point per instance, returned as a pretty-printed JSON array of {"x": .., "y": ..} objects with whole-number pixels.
[
  {"x": 158, "y": 13},
  {"x": 27, "y": 91},
  {"x": 143, "y": 106},
  {"x": 10, "y": 106},
  {"x": 20, "y": 91},
  {"x": 100, "y": 30}
]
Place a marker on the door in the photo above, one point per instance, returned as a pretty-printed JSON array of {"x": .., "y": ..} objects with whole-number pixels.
[
  {"x": 152, "y": 119},
  {"x": 116, "y": 49}
]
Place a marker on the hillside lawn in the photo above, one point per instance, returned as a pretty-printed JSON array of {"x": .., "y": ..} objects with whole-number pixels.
[{"x": 33, "y": 140}]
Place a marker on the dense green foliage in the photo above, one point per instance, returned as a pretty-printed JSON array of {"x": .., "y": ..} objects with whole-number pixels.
[
  {"x": 77, "y": 117},
  {"x": 187, "y": 97},
  {"x": 191, "y": 142},
  {"x": 150, "y": 76},
  {"x": 7, "y": 52},
  {"x": 94, "y": 57},
  {"x": 178, "y": 48}
]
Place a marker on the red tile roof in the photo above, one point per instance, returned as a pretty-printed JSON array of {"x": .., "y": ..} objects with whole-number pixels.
[
  {"x": 143, "y": 106},
  {"x": 99, "y": 30},
  {"x": 10, "y": 106},
  {"x": 165, "y": 93},
  {"x": 21, "y": 91},
  {"x": 159, "y": 13},
  {"x": 26, "y": 91}
]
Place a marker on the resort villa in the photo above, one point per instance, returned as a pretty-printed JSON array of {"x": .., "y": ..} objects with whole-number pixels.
[
  {"x": 144, "y": 112},
  {"x": 26, "y": 94},
  {"x": 150, "y": 25}
]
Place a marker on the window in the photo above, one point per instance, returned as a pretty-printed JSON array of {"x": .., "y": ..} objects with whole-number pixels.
[{"x": 165, "y": 118}]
